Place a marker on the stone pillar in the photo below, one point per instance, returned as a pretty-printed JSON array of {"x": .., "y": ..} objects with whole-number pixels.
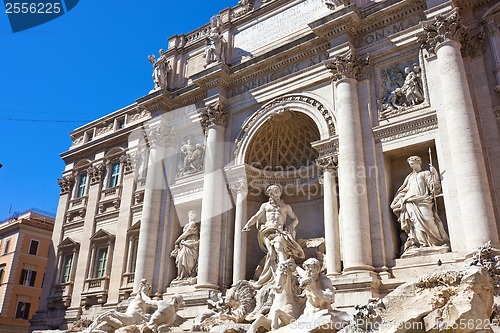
[
  {"x": 443, "y": 37},
  {"x": 213, "y": 119},
  {"x": 240, "y": 189},
  {"x": 357, "y": 254},
  {"x": 331, "y": 214},
  {"x": 151, "y": 209}
]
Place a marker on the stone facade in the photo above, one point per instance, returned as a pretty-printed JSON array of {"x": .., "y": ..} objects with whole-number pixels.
[{"x": 326, "y": 100}]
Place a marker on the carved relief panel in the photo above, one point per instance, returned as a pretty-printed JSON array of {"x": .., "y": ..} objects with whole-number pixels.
[{"x": 401, "y": 86}]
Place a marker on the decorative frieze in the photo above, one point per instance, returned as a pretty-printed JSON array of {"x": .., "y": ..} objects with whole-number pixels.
[
  {"x": 348, "y": 66},
  {"x": 65, "y": 183},
  {"x": 213, "y": 115},
  {"x": 161, "y": 136},
  {"x": 444, "y": 28},
  {"x": 139, "y": 114},
  {"x": 405, "y": 129}
]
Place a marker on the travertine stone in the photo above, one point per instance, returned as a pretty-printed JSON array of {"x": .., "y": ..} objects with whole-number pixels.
[
  {"x": 352, "y": 178},
  {"x": 240, "y": 188},
  {"x": 331, "y": 214}
]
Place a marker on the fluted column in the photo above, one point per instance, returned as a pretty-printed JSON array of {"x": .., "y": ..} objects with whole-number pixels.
[
  {"x": 155, "y": 184},
  {"x": 240, "y": 189},
  {"x": 331, "y": 214},
  {"x": 213, "y": 119},
  {"x": 443, "y": 37},
  {"x": 356, "y": 245}
]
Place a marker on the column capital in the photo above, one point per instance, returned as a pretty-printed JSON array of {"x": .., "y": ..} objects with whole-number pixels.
[
  {"x": 328, "y": 162},
  {"x": 474, "y": 44},
  {"x": 95, "y": 173},
  {"x": 126, "y": 161},
  {"x": 65, "y": 183},
  {"x": 238, "y": 186},
  {"x": 161, "y": 135},
  {"x": 213, "y": 115},
  {"x": 348, "y": 66},
  {"x": 442, "y": 28}
]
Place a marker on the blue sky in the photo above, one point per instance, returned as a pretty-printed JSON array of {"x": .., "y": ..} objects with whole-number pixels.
[{"x": 81, "y": 66}]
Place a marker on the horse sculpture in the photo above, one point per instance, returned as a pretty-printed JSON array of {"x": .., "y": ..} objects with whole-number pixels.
[{"x": 286, "y": 306}]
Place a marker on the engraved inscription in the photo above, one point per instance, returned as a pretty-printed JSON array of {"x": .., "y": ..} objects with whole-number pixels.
[
  {"x": 279, "y": 74},
  {"x": 273, "y": 29}
]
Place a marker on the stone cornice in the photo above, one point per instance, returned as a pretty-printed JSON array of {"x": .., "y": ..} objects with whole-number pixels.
[{"x": 405, "y": 128}]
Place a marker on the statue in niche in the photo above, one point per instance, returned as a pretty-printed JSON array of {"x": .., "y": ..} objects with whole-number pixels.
[
  {"x": 414, "y": 205},
  {"x": 318, "y": 287},
  {"x": 214, "y": 49},
  {"x": 276, "y": 237},
  {"x": 161, "y": 70},
  {"x": 193, "y": 158},
  {"x": 403, "y": 93},
  {"x": 186, "y": 250}
]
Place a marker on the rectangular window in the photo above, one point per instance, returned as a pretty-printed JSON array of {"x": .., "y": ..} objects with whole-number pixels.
[
  {"x": 6, "y": 248},
  {"x": 133, "y": 257},
  {"x": 66, "y": 269},
  {"x": 120, "y": 123},
  {"x": 23, "y": 310},
  {"x": 115, "y": 174},
  {"x": 82, "y": 185},
  {"x": 100, "y": 264},
  {"x": 28, "y": 277},
  {"x": 33, "y": 247},
  {"x": 2, "y": 272}
]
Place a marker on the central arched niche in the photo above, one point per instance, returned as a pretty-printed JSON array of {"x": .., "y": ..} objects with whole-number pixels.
[
  {"x": 280, "y": 152},
  {"x": 283, "y": 142}
]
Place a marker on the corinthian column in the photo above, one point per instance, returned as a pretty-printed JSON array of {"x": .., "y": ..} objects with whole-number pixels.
[
  {"x": 331, "y": 218},
  {"x": 240, "y": 189},
  {"x": 356, "y": 245},
  {"x": 159, "y": 137},
  {"x": 443, "y": 37},
  {"x": 213, "y": 119}
]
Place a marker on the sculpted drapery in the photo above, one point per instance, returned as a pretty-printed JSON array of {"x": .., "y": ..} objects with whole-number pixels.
[{"x": 413, "y": 204}]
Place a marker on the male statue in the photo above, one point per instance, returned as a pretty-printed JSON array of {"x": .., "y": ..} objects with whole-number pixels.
[{"x": 276, "y": 237}]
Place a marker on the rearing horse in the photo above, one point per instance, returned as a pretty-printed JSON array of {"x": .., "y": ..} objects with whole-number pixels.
[{"x": 286, "y": 306}]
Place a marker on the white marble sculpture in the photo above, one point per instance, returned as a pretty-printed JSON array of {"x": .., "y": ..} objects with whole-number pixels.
[
  {"x": 214, "y": 49},
  {"x": 276, "y": 237},
  {"x": 192, "y": 158},
  {"x": 286, "y": 306},
  {"x": 404, "y": 92},
  {"x": 133, "y": 315},
  {"x": 186, "y": 250},
  {"x": 161, "y": 70},
  {"x": 414, "y": 206},
  {"x": 317, "y": 286},
  {"x": 165, "y": 313}
]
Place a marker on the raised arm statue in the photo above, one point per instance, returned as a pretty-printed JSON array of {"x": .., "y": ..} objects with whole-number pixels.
[{"x": 276, "y": 237}]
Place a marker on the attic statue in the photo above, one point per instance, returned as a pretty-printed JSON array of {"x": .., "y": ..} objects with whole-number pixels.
[{"x": 414, "y": 206}]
